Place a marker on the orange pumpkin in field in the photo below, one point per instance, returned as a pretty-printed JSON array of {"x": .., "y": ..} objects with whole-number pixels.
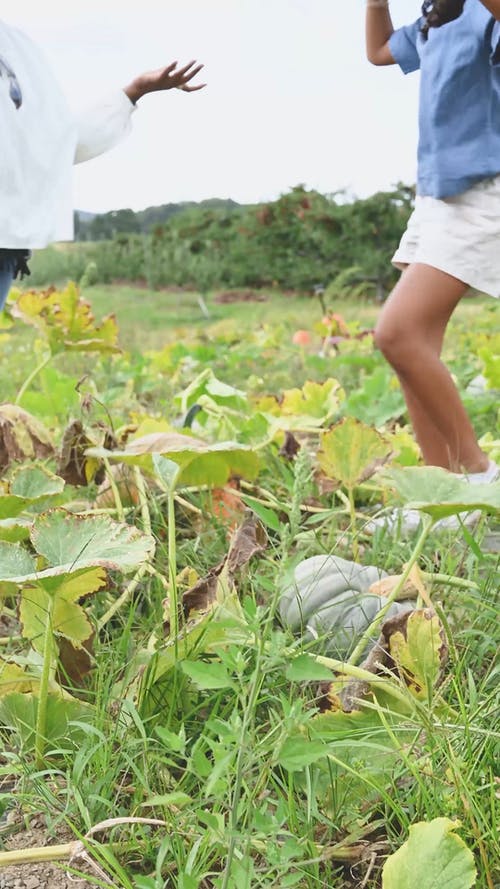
[{"x": 301, "y": 338}]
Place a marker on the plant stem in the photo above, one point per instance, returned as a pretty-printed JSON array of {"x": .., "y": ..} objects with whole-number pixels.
[
  {"x": 367, "y": 636},
  {"x": 249, "y": 709},
  {"x": 125, "y": 596},
  {"x": 37, "y": 855},
  {"x": 352, "y": 513},
  {"x": 358, "y": 673},
  {"x": 120, "y": 512},
  {"x": 48, "y": 657},
  {"x": 449, "y": 580},
  {"x": 33, "y": 375},
  {"x": 172, "y": 571},
  {"x": 143, "y": 500}
]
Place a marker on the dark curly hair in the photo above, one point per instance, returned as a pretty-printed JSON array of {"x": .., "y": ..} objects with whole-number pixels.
[{"x": 439, "y": 12}]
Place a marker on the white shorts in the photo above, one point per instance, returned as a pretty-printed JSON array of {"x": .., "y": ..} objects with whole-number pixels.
[{"x": 458, "y": 235}]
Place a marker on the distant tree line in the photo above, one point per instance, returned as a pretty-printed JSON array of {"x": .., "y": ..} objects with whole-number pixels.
[
  {"x": 302, "y": 241},
  {"x": 105, "y": 226}
]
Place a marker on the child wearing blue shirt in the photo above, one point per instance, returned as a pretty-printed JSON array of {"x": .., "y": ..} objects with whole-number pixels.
[{"x": 453, "y": 238}]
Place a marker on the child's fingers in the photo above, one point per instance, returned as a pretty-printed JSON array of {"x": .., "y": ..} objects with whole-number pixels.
[
  {"x": 186, "y": 68},
  {"x": 192, "y": 89},
  {"x": 187, "y": 77}
]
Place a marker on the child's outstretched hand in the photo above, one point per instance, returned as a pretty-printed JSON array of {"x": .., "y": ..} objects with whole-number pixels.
[{"x": 168, "y": 78}]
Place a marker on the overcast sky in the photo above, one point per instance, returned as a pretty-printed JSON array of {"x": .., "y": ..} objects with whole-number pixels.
[{"x": 290, "y": 98}]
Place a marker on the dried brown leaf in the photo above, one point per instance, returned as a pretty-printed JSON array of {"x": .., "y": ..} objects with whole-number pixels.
[
  {"x": 75, "y": 663},
  {"x": 22, "y": 436}
]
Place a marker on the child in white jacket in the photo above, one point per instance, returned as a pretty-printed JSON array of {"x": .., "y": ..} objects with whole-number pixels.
[{"x": 41, "y": 140}]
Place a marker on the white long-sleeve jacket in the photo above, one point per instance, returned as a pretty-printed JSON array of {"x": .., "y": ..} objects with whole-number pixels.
[{"x": 40, "y": 142}]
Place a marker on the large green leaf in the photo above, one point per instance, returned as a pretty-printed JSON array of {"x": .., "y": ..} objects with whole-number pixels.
[
  {"x": 200, "y": 463},
  {"x": 433, "y": 857},
  {"x": 59, "y": 596},
  {"x": 351, "y": 452},
  {"x": 66, "y": 320},
  {"x": 15, "y": 562},
  {"x": 64, "y": 718},
  {"x": 206, "y": 386},
  {"x": 14, "y": 678},
  {"x": 71, "y": 541},
  {"x": 15, "y": 530},
  {"x": 440, "y": 493},
  {"x": 378, "y": 400},
  {"x": 29, "y": 485},
  {"x": 35, "y": 482},
  {"x": 314, "y": 404}
]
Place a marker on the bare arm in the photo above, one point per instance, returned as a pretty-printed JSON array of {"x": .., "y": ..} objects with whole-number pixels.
[
  {"x": 379, "y": 29},
  {"x": 493, "y": 6}
]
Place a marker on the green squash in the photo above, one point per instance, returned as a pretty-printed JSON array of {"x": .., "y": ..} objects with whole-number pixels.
[{"x": 328, "y": 600}]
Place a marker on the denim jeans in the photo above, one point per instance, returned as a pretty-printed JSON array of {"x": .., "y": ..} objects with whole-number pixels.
[{"x": 7, "y": 271}]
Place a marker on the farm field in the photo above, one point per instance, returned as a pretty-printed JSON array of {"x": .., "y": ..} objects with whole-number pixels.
[{"x": 164, "y": 479}]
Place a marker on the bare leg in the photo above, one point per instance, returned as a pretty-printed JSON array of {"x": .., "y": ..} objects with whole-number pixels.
[{"x": 410, "y": 333}]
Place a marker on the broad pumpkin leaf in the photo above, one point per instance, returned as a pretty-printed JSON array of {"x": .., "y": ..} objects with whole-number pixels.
[
  {"x": 440, "y": 493},
  {"x": 15, "y": 562},
  {"x": 59, "y": 596},
  {"x": 66, "y": 321},
  {"x": 432, "y": 857},
  {"x": 15, "y": 530},
  {"x": 200, "y": 463},
  {"x": 64, "y": 719},
  {"x": 35, "y": 482},
  {"x": 167, "y": 471},
  {"x": 207, "y": 386},
  {"x": 351, "y": 452},
  {"x": 378, "y": 400},
  {"x": 313, "y": 405},
  {"x": 418, "y": 651},
  {"x": 70, "y": 542},
  {"x": 22, "y": 437},
  {"x": 14, "y": 678},
  {"x": 27, "y": 486}
]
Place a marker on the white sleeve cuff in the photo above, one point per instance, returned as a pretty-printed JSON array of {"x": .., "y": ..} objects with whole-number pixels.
[{"x": 103, "y": 125}]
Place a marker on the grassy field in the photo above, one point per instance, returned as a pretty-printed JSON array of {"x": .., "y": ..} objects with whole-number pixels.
[
  {"x": 216, "y": 732},
  {"x": 148, "y": 319}
]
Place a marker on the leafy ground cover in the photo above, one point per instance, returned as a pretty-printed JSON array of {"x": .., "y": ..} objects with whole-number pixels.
[{"x": 155, "y": 700}]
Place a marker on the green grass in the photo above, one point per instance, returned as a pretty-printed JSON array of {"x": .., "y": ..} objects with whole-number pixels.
[
  {"x": 205, "y": 757},
  {"x": 148, "y": 319}
]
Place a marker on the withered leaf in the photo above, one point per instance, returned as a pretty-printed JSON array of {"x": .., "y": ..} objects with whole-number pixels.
[
  {"x": 417, "y": 647},
  {"x": 74, "y": 663},
  {"x": 22, "y": 437},
  {"x": 72, "y": 461},
  {"x": 249, "y": 540}
]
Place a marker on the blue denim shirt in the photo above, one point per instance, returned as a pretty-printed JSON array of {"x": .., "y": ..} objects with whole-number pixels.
[{"x": 459, "y": 99}]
